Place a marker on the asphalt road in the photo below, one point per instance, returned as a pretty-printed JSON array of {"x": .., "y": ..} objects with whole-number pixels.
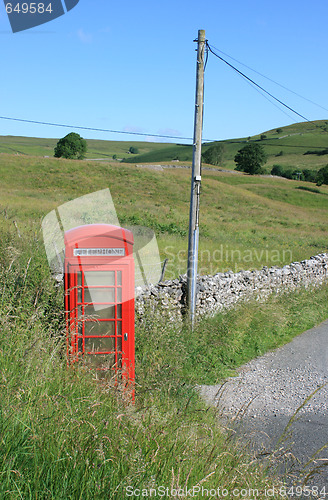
[{"x": 283, "y": 389}]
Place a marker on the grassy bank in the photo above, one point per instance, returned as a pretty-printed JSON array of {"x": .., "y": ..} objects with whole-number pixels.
[
  {"x": 66, "y": 436},
  {"x": 245, "y": 222}
]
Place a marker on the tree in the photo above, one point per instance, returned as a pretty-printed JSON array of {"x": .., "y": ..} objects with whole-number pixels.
[
  {"x": 277, "y": 170},
  {"x": 322, "y": 177},
  {"x": 250, "y": 159},
  {"x": 310, "y": 175},
  {"x": 213, "y": 155},
  {"x": 133, "y": 150},
  {"x": 72, "y": 146}
]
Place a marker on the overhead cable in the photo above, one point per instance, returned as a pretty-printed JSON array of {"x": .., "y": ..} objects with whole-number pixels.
[
  {"x": 95, "y": 129},
  {"x": 270, "y": 79},
  {"x": 263, "y": 89}
]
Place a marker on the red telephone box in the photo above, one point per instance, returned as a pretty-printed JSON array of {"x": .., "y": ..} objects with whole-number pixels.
[{"x": 99, "y": 298}]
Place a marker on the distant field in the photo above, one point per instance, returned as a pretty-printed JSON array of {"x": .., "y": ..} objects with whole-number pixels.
[
  {"x": 246, "y": 222},
  {"x": 33, "y": 146},
  {"x": 286, "y": 147}
]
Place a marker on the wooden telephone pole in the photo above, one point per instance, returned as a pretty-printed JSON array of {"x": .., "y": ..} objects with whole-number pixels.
[{"x": 196, "y": 180}]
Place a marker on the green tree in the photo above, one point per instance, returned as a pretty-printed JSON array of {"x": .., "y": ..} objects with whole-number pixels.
[
  {"x": 133, "y": 150},
  {"x": 213, "y": 155},
  {"x": 250, "y": 159},
  {"x": 277, "y": 170},
  {"x": 322, "y": 177},
  {"x": 72, "y": 146},
  {"x": 310, "y": 175}
]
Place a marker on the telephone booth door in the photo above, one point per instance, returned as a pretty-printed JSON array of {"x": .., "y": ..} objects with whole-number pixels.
[{"x": 100, "y": 314}]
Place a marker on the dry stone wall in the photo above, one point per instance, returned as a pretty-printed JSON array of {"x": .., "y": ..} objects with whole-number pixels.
[{"x": 224, "y": 290}]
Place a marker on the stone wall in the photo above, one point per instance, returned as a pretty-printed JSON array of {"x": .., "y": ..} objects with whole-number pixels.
[{"x": 224, "y": 290}]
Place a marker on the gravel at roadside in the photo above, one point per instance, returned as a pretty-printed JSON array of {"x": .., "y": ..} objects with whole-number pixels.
[{"x": 268, "y": 391}]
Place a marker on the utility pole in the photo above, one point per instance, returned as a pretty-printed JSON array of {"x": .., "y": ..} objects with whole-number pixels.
[{"x": 196, "y": 180}]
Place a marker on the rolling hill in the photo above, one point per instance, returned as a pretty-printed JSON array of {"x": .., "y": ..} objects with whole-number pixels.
[
  {"x": 300, "y": 145},
  {"x": 246, "y": 221}
]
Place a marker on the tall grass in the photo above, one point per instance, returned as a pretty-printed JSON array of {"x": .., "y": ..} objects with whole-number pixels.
[{"x": 65, "y": 435}]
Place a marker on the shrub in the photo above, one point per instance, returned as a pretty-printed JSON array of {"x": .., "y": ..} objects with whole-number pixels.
[
  {"x": 277, "y": 170},
  {"x": 322, "y": 177},
  {"x": 311, "y": 190},
  {"x": 309, "y": 175}
]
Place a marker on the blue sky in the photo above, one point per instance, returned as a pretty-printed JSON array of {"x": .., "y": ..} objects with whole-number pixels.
[{"x": 131, "y": 66}]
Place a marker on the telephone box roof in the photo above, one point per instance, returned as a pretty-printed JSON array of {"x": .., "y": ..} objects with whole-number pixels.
[{"x": 89, "y": 231}]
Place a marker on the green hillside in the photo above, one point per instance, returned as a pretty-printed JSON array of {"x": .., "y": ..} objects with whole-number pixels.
[
  {"x": 286, "y": 146},
  {"x": 33, "y": 146},
  {"x": 289, "y": 144},
  {"x": 245, "y": 222}
]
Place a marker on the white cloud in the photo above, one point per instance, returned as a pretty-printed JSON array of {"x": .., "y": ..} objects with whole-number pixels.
[
  {"x": 170, "y": 131},
  {"x": 133, "y": 128},
  {"x": 83, "y": 36}
]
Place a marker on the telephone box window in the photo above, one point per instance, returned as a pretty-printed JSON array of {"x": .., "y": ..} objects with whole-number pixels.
[
  {"x": 105, "y": 344},
  {"x": 99, "y": 328},
  {"x": 102, "y": 278},
  {"x": 108, "y": 312},
  {"x": 101, "y": 361},
  {"x": 80, "y": 345},
  {"x": 101, "y": 295}
]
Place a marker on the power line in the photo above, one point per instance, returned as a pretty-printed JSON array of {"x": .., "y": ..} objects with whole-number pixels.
[
  {"x": 209, "y": 48},
  {"x": 162, "y": 136},
  {"x": 271, "y": 80},
  {"x": 263, "y": 89},
  {"x": 97, "y": 129},
  {"x": 266, "y": 97}
]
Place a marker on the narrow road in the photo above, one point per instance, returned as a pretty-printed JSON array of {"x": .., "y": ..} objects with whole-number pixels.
[{"x": 261, "y": 401}]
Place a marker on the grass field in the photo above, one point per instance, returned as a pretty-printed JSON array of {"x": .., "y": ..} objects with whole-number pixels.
[
  {"x": 66, "y": 436},
  {"x": 245, "y": 222},
  {"x": 32, "y": 146}
]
